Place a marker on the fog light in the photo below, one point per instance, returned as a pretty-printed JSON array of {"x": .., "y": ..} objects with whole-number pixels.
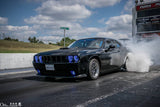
[
  {"x": 73, "y": 73},
  {"x": 38, "y": 71}
]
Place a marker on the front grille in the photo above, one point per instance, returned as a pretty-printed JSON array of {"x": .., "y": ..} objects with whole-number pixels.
[{"x": 54, "y": 59}]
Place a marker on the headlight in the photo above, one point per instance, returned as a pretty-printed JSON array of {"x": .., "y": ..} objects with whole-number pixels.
[
  {"x": 73, "y": 59},
  {"x": 76, "y": 59},
  {"x": 70, "y": 59},
  {"x": 40, "y": 59},
  {"x": 36, "y": 59}
]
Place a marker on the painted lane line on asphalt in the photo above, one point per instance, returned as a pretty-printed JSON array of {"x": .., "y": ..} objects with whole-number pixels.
[
  {"x": 99, "y": 98},
  {"x": 111, "y": 94},
  {"x": 10, "y": 73}
]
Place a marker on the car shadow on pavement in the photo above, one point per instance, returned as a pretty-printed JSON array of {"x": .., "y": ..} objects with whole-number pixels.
[
  {"x": 51, "y": 79},
  {"x": 63, "y": 80}
]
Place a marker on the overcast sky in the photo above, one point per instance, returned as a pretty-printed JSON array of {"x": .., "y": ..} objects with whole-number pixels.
[{"x": 85, "y": 18}]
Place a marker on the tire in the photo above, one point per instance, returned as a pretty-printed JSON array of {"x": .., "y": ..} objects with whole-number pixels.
[
  {"x": 123, "y": 68},
  {"x": 130, "y": 63},
  {"x": 125, "y": 65},
  {"x": 94, "y": 69}
]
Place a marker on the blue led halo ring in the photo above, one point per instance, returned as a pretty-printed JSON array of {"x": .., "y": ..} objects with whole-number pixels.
[
  {"x": 36, "y": 59},
  {"x": 40, "y": 59},
  {"x": 70, "y": 59},
  {"x": 73, "y": 58},
  {"x": 73, "y": 73},
  {"x": 76, "y": 58}
]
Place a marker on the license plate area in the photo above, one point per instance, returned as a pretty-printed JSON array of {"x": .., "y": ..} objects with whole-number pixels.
[{"x": 50, "y": 67}]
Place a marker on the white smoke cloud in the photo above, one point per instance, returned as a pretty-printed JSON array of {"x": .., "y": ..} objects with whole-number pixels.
[{"x": 143, "y": 54}]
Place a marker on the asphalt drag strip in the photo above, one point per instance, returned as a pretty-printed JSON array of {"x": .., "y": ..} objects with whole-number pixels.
[{"x": 114, "y": 89}]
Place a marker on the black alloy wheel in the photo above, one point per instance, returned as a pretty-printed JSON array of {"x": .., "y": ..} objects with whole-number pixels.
[{"x": 94, "y": 69}]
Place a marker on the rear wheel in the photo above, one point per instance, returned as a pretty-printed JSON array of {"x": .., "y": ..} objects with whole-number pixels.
[
  {"x": 124, "y": 66},
  {"x": 130, "y": 63},
  {"x": 94, "y": 69}
]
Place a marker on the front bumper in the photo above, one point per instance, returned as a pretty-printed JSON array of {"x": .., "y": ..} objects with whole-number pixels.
[
  {"x": 62, "y": 70},
  {"x": 51, "y": 76}
]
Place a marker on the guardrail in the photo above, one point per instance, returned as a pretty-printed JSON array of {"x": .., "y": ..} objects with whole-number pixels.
[{"x": 16, "y": 60}]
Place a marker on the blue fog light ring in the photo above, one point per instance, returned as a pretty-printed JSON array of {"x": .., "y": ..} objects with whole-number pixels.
[
  {"x": 38, "y": 71},
  {"x": 73, "y": 73}
]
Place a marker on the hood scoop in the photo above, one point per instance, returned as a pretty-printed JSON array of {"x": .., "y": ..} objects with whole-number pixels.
[{"x": 64, "y": 48}]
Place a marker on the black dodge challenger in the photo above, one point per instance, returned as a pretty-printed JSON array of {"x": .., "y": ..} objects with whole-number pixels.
[{"x": 83, "y": 58}]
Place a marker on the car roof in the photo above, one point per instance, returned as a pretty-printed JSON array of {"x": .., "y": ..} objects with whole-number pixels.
[
  {"x": 98, "y": 38},
  {"x": 103, "y": 39}
]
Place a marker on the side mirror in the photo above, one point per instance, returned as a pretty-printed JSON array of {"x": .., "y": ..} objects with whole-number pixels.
[{"x": 109, "y": 48}]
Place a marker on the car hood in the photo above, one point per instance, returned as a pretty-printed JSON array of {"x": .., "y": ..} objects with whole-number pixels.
[{"x": 70, "y": 51}]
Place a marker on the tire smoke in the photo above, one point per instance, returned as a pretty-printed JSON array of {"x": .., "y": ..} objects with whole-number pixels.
[{"x": 143, "y": 54}]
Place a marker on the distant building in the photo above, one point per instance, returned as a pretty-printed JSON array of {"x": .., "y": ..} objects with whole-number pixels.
[{"x": 146, "y": 19}]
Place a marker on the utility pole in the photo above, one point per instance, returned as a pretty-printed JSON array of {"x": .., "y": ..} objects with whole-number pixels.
[{"x": 65, "y": 28}]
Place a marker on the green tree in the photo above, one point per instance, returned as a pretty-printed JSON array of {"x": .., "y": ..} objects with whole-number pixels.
[
  {"x": 33, "y": 40},
  {"x": 10, "y": 39},
  {"x": 68, "y": 41},
  {"x": 7, "y": 38},
  {"x": 41, "y": 42}
]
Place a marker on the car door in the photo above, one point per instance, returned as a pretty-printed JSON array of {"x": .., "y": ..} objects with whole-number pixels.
[
  {"x": 116, "y": 59},
  {"x": 106, "y": 56},
  {"x": 112, "y": 56}
]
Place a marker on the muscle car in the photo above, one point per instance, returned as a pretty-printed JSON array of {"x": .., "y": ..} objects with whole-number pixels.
[{"x": 88, "y": 57}]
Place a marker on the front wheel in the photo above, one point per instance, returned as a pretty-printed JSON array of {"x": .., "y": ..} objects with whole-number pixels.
[{"x": 94, "y": 69}]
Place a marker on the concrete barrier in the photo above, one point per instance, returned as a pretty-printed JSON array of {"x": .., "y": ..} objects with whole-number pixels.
[{"x": 16, "y": 60}]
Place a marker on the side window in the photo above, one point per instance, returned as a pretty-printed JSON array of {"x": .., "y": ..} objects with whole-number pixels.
[
  {"x": 116, "y": 44},
  {"x": 108, "y": 43}
]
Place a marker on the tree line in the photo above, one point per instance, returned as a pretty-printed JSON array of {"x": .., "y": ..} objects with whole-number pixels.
[
  {"x": 34, "y": 40},
  {"x": 10, "y": 39},
  {"x": 68, "y": 41}
]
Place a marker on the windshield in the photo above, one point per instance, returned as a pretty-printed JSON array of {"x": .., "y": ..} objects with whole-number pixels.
[{"x": 87, "y": 43}]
